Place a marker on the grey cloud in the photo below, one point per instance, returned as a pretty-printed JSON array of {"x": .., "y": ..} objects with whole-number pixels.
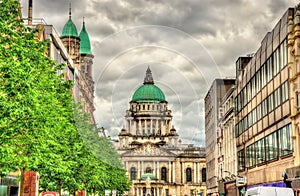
[{"x": 193, "y": 43}]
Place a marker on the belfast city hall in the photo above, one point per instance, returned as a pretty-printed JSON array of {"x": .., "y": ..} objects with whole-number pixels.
[{"x": 158, "y": 164}]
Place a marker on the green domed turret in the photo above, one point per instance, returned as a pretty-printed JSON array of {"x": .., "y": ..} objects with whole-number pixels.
[
  {"x": 69, "y": 29},
  {"x": 146, "y": 175},
  {"x": 85, "y": 45},
  {"x": 148, "y": 92}
]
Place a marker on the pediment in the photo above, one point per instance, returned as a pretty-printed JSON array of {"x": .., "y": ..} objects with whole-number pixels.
[{"x": 149, "y": 149}]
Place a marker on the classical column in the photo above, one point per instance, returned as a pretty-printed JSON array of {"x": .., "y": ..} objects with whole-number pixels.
[
  {"x": 142, "y": 167},
  {"x": 139, "y": 170},
  {"x": 198, "y": 169},
  {"x": 173, "y": 170},
  {"x": 158, "y": 173},
  {"x": 151, "y": 124},
  {"x": 146, "y": 131},
  {"x": 182, "y": 172},
  {"x": 156, "y": 126},
  {"x": 170, "y": 170},
  {"x": 154, "y": 170},
  {"x": 140, "y": 127},
  {"x": 195, "y": 172}
]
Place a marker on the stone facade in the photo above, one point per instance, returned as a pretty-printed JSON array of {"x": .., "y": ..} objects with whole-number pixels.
[
  {"x": 151, "y": 151},
  {"x": 294, "y": 80},
  {"x": 213, "y": 122}
]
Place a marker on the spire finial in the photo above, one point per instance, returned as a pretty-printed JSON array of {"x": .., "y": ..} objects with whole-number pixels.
[
  {"x": 148, "y": 79},
  {"x": 70, "y": 11},
  {"x": 83, "y": 22}
]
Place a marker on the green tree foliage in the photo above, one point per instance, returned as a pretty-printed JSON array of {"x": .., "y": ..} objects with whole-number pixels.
[
  {"x": 38, "y": 129},
  {"x": 30, "y": 107}
]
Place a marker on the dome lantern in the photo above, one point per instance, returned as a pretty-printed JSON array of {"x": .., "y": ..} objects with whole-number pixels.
[{"x": 148, "y": 92}]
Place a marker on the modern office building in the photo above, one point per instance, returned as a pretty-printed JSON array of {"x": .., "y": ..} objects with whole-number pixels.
[
  {"x": 213, "y": 120},
  {"x": 263, "y": 127},
  {"x": 158, "y": 164}
]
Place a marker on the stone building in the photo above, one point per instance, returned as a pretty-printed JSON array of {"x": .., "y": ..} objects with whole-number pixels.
[
  {"x": 213, "y": 121},
  {"x": 79, "y": 49},
  {"x": 294, "y": 81},
  {"x": 227, "y": 146},
  {"x": 151, "y": 151}
]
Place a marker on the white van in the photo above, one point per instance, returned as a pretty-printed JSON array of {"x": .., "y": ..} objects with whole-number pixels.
[{"x": 269, "y": 191}]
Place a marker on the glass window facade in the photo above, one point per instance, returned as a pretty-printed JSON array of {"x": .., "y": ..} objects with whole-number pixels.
[{"x": 270, "y": 148}]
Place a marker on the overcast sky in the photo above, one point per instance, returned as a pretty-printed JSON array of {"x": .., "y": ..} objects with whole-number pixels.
[{"x": 186, "y": 43}]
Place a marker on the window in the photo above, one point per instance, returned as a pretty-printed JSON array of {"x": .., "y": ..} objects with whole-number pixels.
[
  {"x": 269, "y": 69},
  {"x": 271, "y": 103},
  {"x": 285, "y": 140},
  {"x": 277, "y": 98},
  {"x": 148, "y": 170},
  {"x": 167, "y": 192},
  {"x": 241, "y": 160},
  {"x": 250, "y": 119},
  {"x": 260, "y": 151},
  {"x": 246, "y": 123},
  {"x": 271, "y": 146},
  {"x": 254, "y": 119},
  {"x": 283, "y": 54},
  {"x": 253, "y": 82},
  {"x": 263, "y": 75},
  {"x": 237, "y": 129},
  {"x": 264, "y": 110},
  {"x": 189, "y": 175},
  {"x": 250, "y": 154},
  {"x": 259, "y": 112},
  {"x": 203, "y": 174},
  {"x": 249, "y": 95},
  {"x": 258, "y": 81},
  {"x": 276, "y": 61},
  {"x": 284, "y": 92},
  {"x": 132, "y": 173},
  {"x": 163, "y": 173}
]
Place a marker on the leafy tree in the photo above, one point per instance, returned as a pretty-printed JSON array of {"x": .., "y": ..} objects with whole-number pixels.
[
  {"x": 38, "y": 130},
  {"x": 31, "y": 111}
]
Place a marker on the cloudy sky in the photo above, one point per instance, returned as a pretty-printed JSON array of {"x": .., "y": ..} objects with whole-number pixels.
[{"x": 186, "y": 43}]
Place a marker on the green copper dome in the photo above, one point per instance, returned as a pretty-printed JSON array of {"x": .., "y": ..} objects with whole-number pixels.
[
  {"x": 85, "y": 45},
  {"x": 148, "y": 92},
  {"x": 69, "y": 28},
  {"x": 146, "y": 175}
]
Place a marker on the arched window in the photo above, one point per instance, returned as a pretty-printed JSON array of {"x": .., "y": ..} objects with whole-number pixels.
[
  {"x": 148, "y": 170},
  {"x": 203, "y": 174},
  {"x": 164, "y": 173},
  {"x": 188, "y": 175},
  {"x": 132, "y": 173}
]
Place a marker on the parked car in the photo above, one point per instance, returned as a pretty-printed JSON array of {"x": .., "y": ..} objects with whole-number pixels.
[{"x": 269, "y": 191}]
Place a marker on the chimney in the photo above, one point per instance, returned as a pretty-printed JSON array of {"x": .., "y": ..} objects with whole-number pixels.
[{"x": 30, "y": 12}]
